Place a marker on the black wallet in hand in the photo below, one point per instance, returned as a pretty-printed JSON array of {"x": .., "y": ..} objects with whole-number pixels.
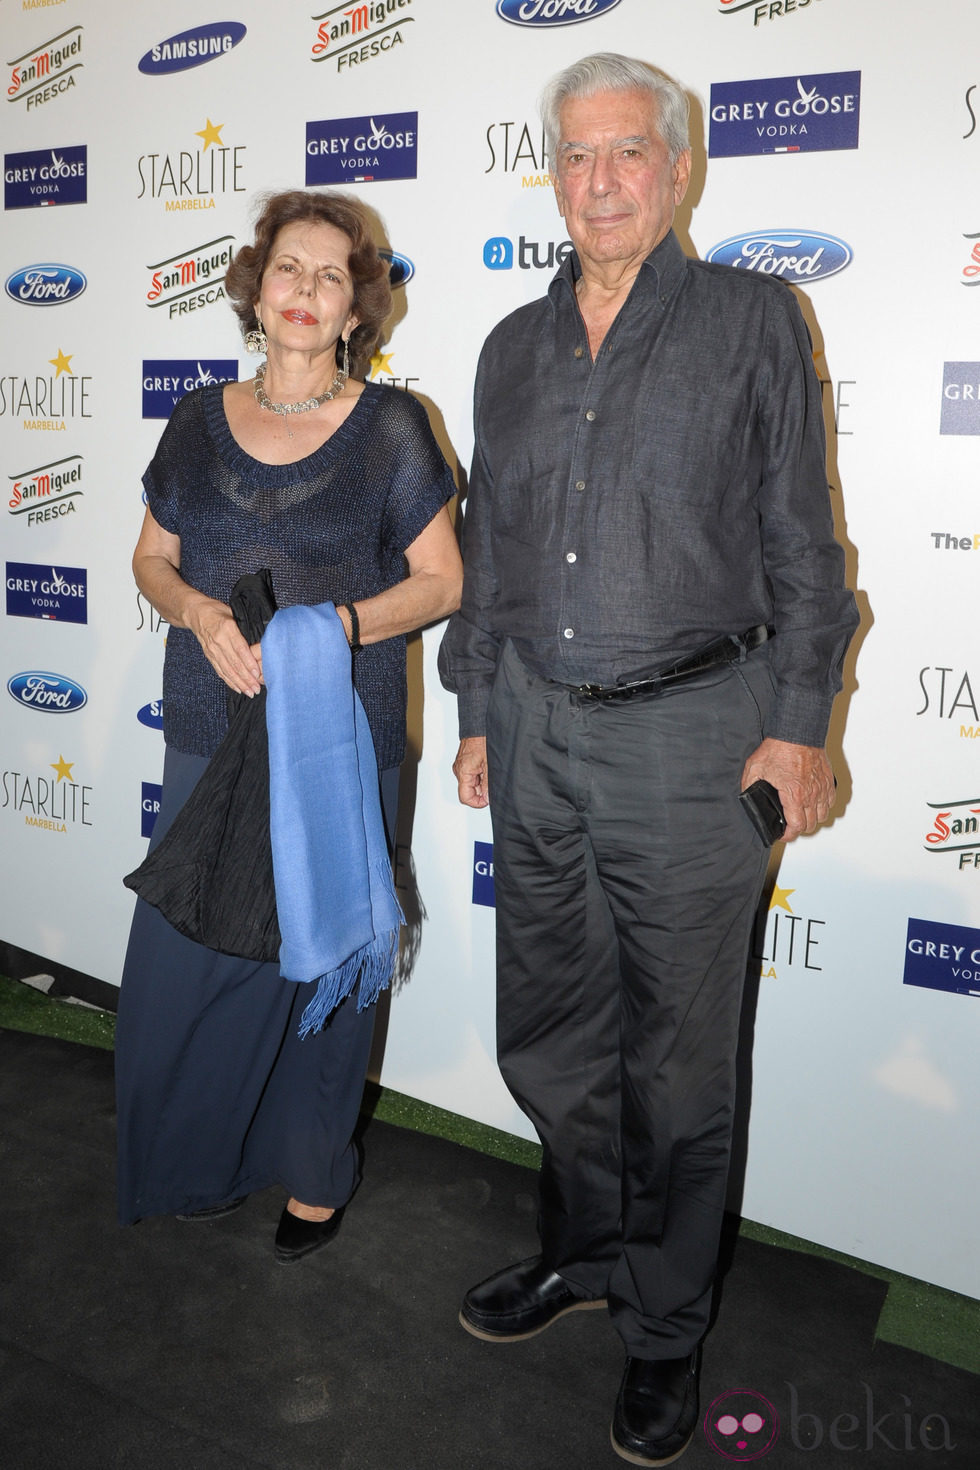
[{"x": 764, "y": 810}]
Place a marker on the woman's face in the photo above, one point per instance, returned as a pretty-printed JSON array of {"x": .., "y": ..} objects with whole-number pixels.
[{"x": 307, "y": 292}]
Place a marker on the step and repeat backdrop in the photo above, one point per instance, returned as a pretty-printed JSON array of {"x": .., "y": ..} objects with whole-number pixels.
[{"x": 836, "y": 146}]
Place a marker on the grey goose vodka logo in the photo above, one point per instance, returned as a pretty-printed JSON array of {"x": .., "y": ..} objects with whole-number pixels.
[{"x": 802, "y": 114}]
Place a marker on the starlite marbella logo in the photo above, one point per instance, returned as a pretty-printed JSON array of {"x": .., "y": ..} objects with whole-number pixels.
[
  {"x": 45, "y": 176},
  {"x": 45, "y": 285},
  {"x": 942, "y": 957},
  {"x": 50, "y": 694},
  {"x": 48, "y": 72},
  {"x": 358, "y": 150},
  {"x": 763, "y": 9},
  {"x": 947, "y": 694},
  {"x": 195, "y": 278},
  {"x": 519, "y": 148},
  {"x": 47, "y": 492},
  {"x": 165, "y": 381},
  {"x": 785, "y": 115},
  {"x": 192, "y": 48},
  {"x": 793, "y": 255},
  {"x": 47, "y": 402},
  {"x": 552, "y": 12},
  {"x": 193, "y": 179},
  {"x": 53, "y": 804},
  {"x": 351, "y": 35},
  {"x": 56, "y": 594}
]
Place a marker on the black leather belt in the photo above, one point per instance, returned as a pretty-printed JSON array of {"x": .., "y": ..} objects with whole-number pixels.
[{"x": 728, "y": 650}]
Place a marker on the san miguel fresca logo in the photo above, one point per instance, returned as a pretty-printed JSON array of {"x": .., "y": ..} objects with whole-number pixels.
[
  {"x": 192, "y": 179},
  {"x": 353, "y": 34},
  {"x": 552, "y": 12},
  {"x": 165, "y": 381},
  {"x": 358, "y": 150},
  {"x": 51, "y": 694},
  {"x": 46, "y": 401},
  {"x": 785, "y": 115},
  {"x": 942, "y": 957},
  {"x": 53, "y": 804},
  {"x": 47, "y": 72},
  {"x": 57, "y": 594},
  {"x": 762, "y": 9},
  {"x": 45, "y": 285},
  {"x": 192, "y": 48},
  {"x": 45, "y": 176},
  {"x": 793, "y": 255},
  {"x": 48, "y": 492},
  {"x": 956, "y": 828},
  {"x": 195, "y": 278},
  {"x": 971, "y": 271}
]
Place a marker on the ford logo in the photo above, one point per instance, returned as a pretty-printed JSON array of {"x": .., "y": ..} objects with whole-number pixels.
[
  {"x": 192, "y": 48},
  {"x": 793, "y": 255},
  {"x": 52, "y": 693},
  {"x": 151, "y": 715},
  {"x": 45, "y": 285},
  {"x": 400, "y": 268},
  {"x": 551, "y": 12}
]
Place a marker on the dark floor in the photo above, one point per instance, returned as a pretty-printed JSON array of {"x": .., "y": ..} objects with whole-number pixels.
[{"x": 174, "y": 1346}]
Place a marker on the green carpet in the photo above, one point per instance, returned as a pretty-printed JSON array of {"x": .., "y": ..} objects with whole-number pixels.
[{"x": 916, "y": 1315}]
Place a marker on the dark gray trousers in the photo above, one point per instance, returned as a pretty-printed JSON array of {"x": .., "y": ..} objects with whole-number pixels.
[{"x": 626, "y": 878}]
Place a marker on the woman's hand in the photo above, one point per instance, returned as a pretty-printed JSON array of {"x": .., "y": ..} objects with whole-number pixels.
[{"x": 236, "y": 663}]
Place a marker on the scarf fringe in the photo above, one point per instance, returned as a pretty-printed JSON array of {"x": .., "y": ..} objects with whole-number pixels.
[{"x": 370, "y": 968}]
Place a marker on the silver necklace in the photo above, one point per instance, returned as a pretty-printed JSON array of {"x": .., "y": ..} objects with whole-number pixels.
[{"x": 283, "y": 409}]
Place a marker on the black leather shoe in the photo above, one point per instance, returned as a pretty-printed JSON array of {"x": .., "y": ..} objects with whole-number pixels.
[
  {"x": 519, "y": 1302},
  {"x": 296, "y": 1238},
  {"x": 214, "y": 1212},
  {"x": 657, "y": 1409}
]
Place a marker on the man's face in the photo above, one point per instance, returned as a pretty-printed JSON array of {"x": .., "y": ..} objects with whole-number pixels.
[{"x": 615, "y": 184}]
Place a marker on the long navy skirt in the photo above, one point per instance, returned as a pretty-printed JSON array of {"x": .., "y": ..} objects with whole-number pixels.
[{"x": 216, "y": 1094}]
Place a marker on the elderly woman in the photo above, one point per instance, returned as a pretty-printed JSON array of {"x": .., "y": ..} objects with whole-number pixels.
[{"x": 337, "y": 486}]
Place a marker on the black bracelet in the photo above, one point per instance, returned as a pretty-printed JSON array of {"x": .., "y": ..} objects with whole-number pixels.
[{"x": 355, "y": 628}]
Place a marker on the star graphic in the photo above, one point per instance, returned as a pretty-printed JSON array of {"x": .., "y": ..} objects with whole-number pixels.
[
  {"x": 780, "y": 898},
  {"x": 61, "y": 362},
  {"x": 63, "y": 768},
  {"x": 381, "y": 363},
  {"x": 211, "y": 133}
]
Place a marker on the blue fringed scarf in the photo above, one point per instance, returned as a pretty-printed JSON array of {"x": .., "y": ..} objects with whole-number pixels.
[{"x": 338, "y": 913}]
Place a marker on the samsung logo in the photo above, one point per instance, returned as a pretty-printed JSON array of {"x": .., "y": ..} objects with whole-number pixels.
[
  {"x": 792, "y": 255},
  {"x": 192, "y": 48},
  {"x": 45, "y": 285},
  {"x": 552, "y": 12},
  {"x": 151, "y": 715},
  {"x": 400, "y": 268},
  {"x": 52, "y": 693}
]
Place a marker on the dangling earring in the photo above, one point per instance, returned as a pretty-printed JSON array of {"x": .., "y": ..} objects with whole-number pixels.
[
  {"x": 256, "y": 340},
  {"x": 345, "y": 366}
]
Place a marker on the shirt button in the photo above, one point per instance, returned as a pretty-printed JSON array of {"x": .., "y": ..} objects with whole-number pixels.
[
  {"x": 580, "y": 352},
  {"x": 580, "y": 484},
  {"x": 590, "y": 415},
  {"x": 569, "y": 632},
  {"x": 570, "y": 556}
]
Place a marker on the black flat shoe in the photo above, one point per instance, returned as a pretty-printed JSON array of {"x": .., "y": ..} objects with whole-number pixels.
[
  {"x": 657, "y": 1409},
  {"x": 214, "y": 1212},
  {"x": 296, "y": 1238},
  {"x": 519, "y": 1302}
]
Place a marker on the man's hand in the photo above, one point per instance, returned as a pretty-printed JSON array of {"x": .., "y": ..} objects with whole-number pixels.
[
  {"x": 470, "y": 770},
  {"x": 802, "y": 776}
]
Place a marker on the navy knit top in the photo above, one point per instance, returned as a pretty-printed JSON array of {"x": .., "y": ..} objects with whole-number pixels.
[{"x": 331, "y": 528}]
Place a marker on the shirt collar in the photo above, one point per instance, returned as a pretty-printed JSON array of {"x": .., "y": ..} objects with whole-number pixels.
[{"x": 666, "y": 261}]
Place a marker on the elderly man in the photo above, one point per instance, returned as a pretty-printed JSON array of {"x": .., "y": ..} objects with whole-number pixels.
[{"x": 654, "y": 618}]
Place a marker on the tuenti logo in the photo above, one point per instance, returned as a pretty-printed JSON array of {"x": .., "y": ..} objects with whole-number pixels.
[
  {"x": 499, "y": 253},
  {"x": 552, "y": 12},
  {"x": 785, "y": 115},
  {"x": 354, "y": 34},
  {"x": 763, "y": 9},
  {"x": 362, "y": 149},
  {"x": 57, "y": 594},
  {"x": 960, "y": 412},
  {"x": 942, "y": 957},
  {"x": 45, "y": 285},
  {"x": 47, "y": 492},
  {"x": 165, "y": 381},
  {"x": 793, "y": 255},
  {"x": 195, "y": 278},
  {"x": 54, "y": 694},
  {"x": 192, "y": 48},
  {"x": 400, "y": 268},
  {"x": 48, "y": 72},
  {"x": 45, "y": 176}
]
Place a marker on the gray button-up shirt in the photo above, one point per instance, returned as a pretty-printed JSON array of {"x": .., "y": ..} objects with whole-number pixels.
[{"x": 624, "y": 512}]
